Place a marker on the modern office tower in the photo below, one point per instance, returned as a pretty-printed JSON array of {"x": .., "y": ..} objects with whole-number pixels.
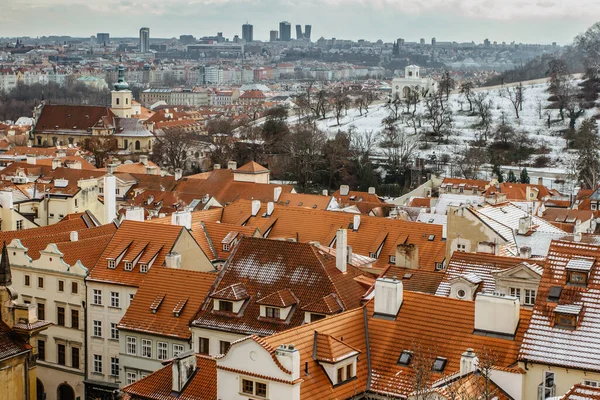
[
  {"x": 103, "y": 39},
  {"x": 433, "y": 41},
  {"x": 144, "y": 40},
  {"x": 299, "y": 34},
  {"x": 307, "y": 29},
  {"x": 285, "y": 31},
  {"x": 248, "y": 32},
  {"x": 273, "y": 36},
  {"x": 422, "y": 41}
]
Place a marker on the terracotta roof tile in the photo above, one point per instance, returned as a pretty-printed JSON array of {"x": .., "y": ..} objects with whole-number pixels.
[
  {"x": 582, "y": 392},
  {"x": 281, "y": 298},
  {"x": 70, "y": 117},
  {"x": 331, "y": 350},
  {"x": 252, "y": 167}
]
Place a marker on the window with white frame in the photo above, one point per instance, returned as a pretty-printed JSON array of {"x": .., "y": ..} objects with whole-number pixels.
[
  {"x": 20, "y": 225},
  {"x": 253, "y": 388},
  {"x": 114, "y": 299},
  {"x": 98, "y": 363},
  {"x": 131, "y": 345},
  {"x": 128, "y": 266},
  {"x": 112, "y": 264},
  {"x": 462, "y": 247},
  {"x": 97, "y": 329},
  {"x": 392, "y": 259},
  {"x": 591, "y": 383},
  {"x": 114, "y": 332},
  {"x": 272, "y": 312},
  {"x": 515, "y": 292},
  {"x": 161, "y": 350},
  {"x": 529, "y": 297},
  {"x": 147, "y": 348},
  {"x": 177, "y": 349},
  {"x": 97, "y": 297},
  {"x": 131, "y": 377},
  {"x": 143, "y": 268}
]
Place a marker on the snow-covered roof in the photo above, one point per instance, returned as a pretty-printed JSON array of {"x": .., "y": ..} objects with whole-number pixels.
[{"x": 456, "y": 200}]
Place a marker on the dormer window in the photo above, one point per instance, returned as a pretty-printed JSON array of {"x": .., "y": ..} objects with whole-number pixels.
[
  {"x": 111, "y": 264},
  {"x": 226, "y": 306},
  {"x": 225, "y": 247},
  {"x": 392, "y": 259},
  {"x": 576, "y": 278},
  {"x": 578, "y": 271},
  {"x": 144, "y": 268},
  {"x": 128, "y": 266},
  {"x": 405, "y": 357},
  {"x": 439, "y": 364},
  {"x": 566, "y": 316},
  {"x": 272, "y": 312}
]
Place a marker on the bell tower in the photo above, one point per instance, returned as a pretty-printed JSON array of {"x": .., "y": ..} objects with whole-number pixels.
[{"x": 121, "y": 95}]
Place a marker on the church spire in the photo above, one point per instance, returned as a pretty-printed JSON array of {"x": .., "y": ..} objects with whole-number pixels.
[
  {"x": 121, "y": 84},
  {"x": 5, "y": 275}
]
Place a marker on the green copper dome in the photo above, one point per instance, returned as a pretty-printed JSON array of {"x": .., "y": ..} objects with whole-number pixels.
[{"x": 121, "y": 84}]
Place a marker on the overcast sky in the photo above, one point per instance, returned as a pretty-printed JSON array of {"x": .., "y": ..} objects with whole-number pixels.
[{"x": 528, "y": 21}]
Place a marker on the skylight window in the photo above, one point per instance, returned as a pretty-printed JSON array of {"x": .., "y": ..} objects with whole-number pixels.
[
  {"x": 439, "y": 364},
  {"x": 405, "y": 357}
]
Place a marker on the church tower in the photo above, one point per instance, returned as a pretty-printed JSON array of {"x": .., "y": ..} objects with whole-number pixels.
[{"x": 121, "y": 96}]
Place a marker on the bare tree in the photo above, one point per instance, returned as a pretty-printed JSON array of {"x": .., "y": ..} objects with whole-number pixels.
[
  {"x": 470, "y": 160},
  {"x": 438, "y": 117},
  {"x": 320, "y": 104},
  {"x": 340, "y": 103},
  {"x": 483, "y": 109},
  {"x": 466, "y": 89},
  {"x": 515, "y": 96},
  {"x": 446, "y": 84},
  {"x": 172, "y": 147},
  {"x": 303, "y": 152},
  {"x": 101, "y": 147},
  {"x": 589, "y": 42},
  {"x": 484, "y": 389},
  {"x": 422, "y": 362},
  {"x": 398, "y": 148}
]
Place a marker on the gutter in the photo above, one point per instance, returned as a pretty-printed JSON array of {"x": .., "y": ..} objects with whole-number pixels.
[{"x": 366, "y": 325}]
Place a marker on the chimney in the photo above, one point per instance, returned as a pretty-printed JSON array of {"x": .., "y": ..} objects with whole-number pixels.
[
  {"x": 182, "y": 218},
  {"x": 525, "y": 252},
  {"x": 497, "y": 313},
  {"x": 468, "y": 362},
  {"x": 255, "y": 207},
  {"x": 524, "y": 225},
  {"x": 341, "y": 250},
  {"x": 178, "y": 173},
  {"x": 134, "y": 214},
  {"x": 144, "y": 160},
  {"x": 151, "y": 170},
  {"x": 216, "y": 167},
  {"x": 270, "y": 208},
  {"x": 182, "y": 369},
  {"x": 61, "y": 153},
  {"x": 75, "y": 165},
  {"x": 577, "y": 236},
  {"x": 344, "y": 190},
  {"x": 31, "y": 159},
  {"x": 541, "y": 181},
  {"x": 371, "y": 190},
  {"x": 276, "y": 194},
  {"x": 232, "y": 165},
  {"x": 111, "y": 168},
  {"x": 6, "y": 199},
  {"x": 110, "y": 198},
  {"x": 74, "y": 236},
  {"x": 173, "y": 260},
  {"x": 388, "y": 296},
  {"x": 289, "y": 357},
  {"x": 56, "y": 163},
  {"x": 407, "y": 255},
  {"x": 356, "y": 222},
  {"x": 325, "y": 192}
]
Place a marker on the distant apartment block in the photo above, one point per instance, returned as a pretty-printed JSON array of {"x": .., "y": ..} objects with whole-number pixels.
[{"x": 175, "y": 97}]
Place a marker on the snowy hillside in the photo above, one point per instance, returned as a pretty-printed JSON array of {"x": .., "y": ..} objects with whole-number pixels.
[{"x": 531, "y": 120}]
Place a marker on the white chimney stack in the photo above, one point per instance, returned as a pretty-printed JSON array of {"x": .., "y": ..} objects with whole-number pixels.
[
  {"x": 144, "y": 160},
  {"x": 525, "y": 252},
  {"x": 111, "y": 168},
  {"x": 173, "y": 260},
  {"x": 497, "y": 313},
  {"x": 371, "y": 190},
  {"x": 182, "y": 218},
  {"x": 270, "y": 208},
  {"x": 74, "y": 236},
  {"x": 276, "y": 194},
  {"x": 31, "y": 159},
  {"x": 289, "y": 357},
  {"x": 6, "y": 199},
  {"x": 178, "y": 173},
  {"x": 255, "y": 207},
  {"x": 325, "y": 192},
  {"x": 388, "y": 296},
  {"x": 110, "y": 198},
  {"x": 134, "y": 214},
  {"x": 344, "y": 190},
  {"x": 341, "y": 250},
  {"x": 232, "y": 165},
  {"x": 356, "y": 222},
  {"x": 182, "y": 369},
  {"x": 56, "y": 163},
  {"x": 468, "y": 362}
]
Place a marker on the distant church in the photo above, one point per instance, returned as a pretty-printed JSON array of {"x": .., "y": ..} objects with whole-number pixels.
[{"x": 412, "y": 80}]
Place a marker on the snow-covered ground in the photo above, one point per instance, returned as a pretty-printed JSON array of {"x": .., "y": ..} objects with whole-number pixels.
[{"x": 464, "y": 131}]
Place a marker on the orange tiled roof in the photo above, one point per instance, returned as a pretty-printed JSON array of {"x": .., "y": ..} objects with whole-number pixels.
[
  {"x": 153, "y": 241},
  {"x": 265, "y": 267},
  {"x": 158, "y": 385},
  {"x": 518, "y": 191},
  {"x": 183, "y": 292},
  {"x": 282, "y": 298},
  {"x": 332, "y": 350},
  {"x": 314, "y": 201},
  {"x": 468, "y": 183},
  {"x": 416, "y": 280},
  {"x": 355, "y": 196},
  {"x": 420, "y": 202},
  {"x": 251, "y": 167},
  {"x": 582, "y": 392}
]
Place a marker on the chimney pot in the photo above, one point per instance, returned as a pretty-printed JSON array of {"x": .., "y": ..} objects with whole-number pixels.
[
  {"x": 341, "y": 253},
  {"x": 388, "y": 296},
  {"x": 255, "y": 207},
  {"x": 74, "y": 236}
]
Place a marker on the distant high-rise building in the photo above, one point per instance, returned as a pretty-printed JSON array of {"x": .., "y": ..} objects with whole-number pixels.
[
  {"x": 433, "y": 41},
  {"x": 487, "y": 43},
  {"x": 273, "y": 36},
  {"x": 299, "y": 34},
  {"x": 220, "y": 37},
  {"x": 187, "y": 39},
  {"x": 422, "y": 41},
  {"x": 285, "y": 31},
  {"x": 307, "y": 29},
  {"x": 144, "y": 40},
  {"x": 400, "y": 42},
  {"x": 248, "y": 32},
  {"x": 103, "y": 39}
]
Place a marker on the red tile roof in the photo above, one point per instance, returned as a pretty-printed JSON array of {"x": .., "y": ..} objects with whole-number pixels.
[
  {"x": 251, "y": 167},
  {"x": 183, "y": 291},
  {"x": 69, "y": 117},
  {"x": 582, "y": 392}
]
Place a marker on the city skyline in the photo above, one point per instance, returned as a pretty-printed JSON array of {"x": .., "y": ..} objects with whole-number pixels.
[{"x": 463, "y": 20}]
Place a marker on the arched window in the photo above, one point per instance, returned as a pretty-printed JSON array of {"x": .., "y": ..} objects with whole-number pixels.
[
  {"x": 125, "y": 144},
  {"x": 117, "y": 101},
  {"x": 137, "y": 145},
  {"x": 126, "y": 100},
  {"x": 39, "y": 140},
  {"x": 54, "y": 140},
  {"x": 71, "y": 140},
  {"x": 66, "y": 392}
]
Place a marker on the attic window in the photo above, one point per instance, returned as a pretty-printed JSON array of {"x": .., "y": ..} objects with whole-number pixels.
[
  {"x": 554, "y": 294},
  {"x": 144, "y": 268},
  {"x": 156, "y": 303},
  {"x": 431, "y": 237},
  {"x": 439, "y": 266},
  {"x": 392, "y": 259},
  {"x": 578, "y": 271},
  {"x": 225, "y": 306},
  {"x": 128, "y": 266},
  {"x": 439, "y": 364},
  {"x": 372, "y": 255},
  {"x": 272, "y": 312},
  {"x": 300, "y": 204},
  {"x": 314, "y": 206},
  {"x": 111, "y": 264},
  {"x": 225, "y": 247},
  {"x": 565, "y": 316},
  {"x": 405, "y": 357}
]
